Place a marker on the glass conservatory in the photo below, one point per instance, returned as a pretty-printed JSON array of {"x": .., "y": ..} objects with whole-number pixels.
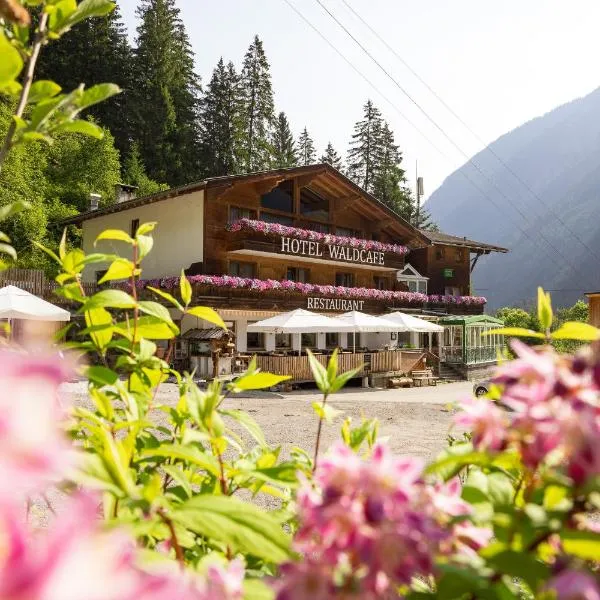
[{"x": 464, "y": 342}]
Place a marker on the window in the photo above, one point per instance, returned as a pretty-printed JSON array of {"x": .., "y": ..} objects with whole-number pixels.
[
  {"x": 236, "y": 213},
  {"x": 242, "y": 269},
  {"x": 451, "y": 291},
  {"x": 459, "y": 255},
  {"x": 271, "y": 218},
  {"x": 410, "y": 277},
  {"x": 344, "y": 279},
  {"x": 332, "y": 340},
  {"x": 255, "y": 341},
  {"x": 309, "y": 340},
  {"x": 320, "y": 227},
  {"x": 135, "y": 223},
  {"x": 280, "y": 198},
  {"x": 345, "y": 232},
  {"x": 439, "y": 253},
  {"x": 313, "y": 206},
  {"x": 297, "y": 274},
  {"x": 353, "y": 340},
  {"x": 283, "y": 341},
  {"x": 381, "y": 283}
]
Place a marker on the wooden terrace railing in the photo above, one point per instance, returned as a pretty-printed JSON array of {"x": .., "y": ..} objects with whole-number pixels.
[{"x": 390, "y": 361}]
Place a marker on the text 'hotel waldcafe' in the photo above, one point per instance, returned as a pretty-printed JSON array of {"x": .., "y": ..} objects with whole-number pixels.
[{"x": 259, "y": 244}]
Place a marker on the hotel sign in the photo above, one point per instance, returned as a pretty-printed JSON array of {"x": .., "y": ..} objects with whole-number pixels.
[
  {"x": 339, "y": 304},
  {"x": 331, "y": 251}
]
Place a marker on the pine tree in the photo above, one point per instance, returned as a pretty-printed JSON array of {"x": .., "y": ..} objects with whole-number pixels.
[
  {"x": 282, "y": 143},
  {"x": 331, "y": 157},
  {"x": 364, "y": 154},
  {"x": 167, "y": 95},
  {"x": 258, "y": 110},
  {"x": 96, "y": 51},
  {"x": 389, "y": 182},
  {"x": 220, "y": 123},
  {"x": 134, "y": 173},
  {"x": 306, "y": 149}
]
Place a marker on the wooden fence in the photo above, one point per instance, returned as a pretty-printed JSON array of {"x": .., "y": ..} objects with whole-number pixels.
[
  {"x": 393, "y": 361},
  {"x": 35, "y": 282}
]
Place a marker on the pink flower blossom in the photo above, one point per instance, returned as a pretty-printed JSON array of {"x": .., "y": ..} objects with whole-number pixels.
[
  {"x": 485, "y": 420},
  {"x": 33, "y": 449},
  {"x": 75, "y": 559},
  {"x": 575, "y": 585}
]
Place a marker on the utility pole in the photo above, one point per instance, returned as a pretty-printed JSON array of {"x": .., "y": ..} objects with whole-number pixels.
[{"x": 419, "y": 190}]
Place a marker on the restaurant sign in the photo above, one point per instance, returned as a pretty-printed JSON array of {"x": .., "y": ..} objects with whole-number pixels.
[
  {"x": 340, "y": 304},
  {"x": 331, "y": 251}
]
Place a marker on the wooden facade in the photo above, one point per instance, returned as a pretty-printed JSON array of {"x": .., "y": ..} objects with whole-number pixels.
[{"x": 594, "y": 302}]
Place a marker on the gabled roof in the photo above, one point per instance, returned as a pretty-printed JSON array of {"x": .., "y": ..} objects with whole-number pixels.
[
  {"x": 437, "y": 237},
  {"x": 329, "y": 178}
]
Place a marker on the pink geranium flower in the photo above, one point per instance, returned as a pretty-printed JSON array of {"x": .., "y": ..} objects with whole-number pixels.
[
  {"x": 485, "y": 420},
  {"x": 575, "y": 585},
  {"x": 33, "y": 449}
]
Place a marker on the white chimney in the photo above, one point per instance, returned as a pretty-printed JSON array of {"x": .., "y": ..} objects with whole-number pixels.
[
  {"x": 124, "y": 192},
  {"x": 94, "y": 201}
]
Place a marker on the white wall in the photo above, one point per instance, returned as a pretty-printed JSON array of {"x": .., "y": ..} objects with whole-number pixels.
[{"x": 178, "y": 236}]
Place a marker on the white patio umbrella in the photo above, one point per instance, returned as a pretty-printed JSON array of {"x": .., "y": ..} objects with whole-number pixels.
[
  {"x": 363, "y": 323},
  {"x": 410, "y": 323},
  {"x": 298, "y": 321},
  {"x": 16, "y": 303}
]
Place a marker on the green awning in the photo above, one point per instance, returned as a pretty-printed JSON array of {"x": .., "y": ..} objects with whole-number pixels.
[{"x": 470, "y": 320}]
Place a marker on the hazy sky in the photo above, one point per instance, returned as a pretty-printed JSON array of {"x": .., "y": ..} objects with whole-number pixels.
[{"x": 496, "y": 64}]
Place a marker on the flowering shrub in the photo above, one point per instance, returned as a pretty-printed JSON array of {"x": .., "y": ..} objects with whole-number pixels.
[
  {"x": 314, "y": 236},
  {"x": 310, "y": 289},
  {"x": 166, "y": 511}
]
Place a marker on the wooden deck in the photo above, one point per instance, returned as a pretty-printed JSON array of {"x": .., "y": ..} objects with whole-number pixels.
[{"x": 393, "y": 361}]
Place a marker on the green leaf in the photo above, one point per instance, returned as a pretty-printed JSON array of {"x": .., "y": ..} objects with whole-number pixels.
[
  {"x": 121, "y": 268},
  {"x": 257, "y": 381},
  {"x": 332, "y": 367},
  {"x": 114, "y": 234},
  {"x": 249, "y": 424},
  {"x": 240, "y": 525},
  {"x": 12, "y": 209},
  {"x": 319, "y": 372},
  {"x": 145, "y": 228},
  {"x": 583, "y": 544},
  {"x": 166, "y": 296},
  {"x": 90, "y": 8},
  {"x": 81, "y": 126},
  {"x": 574, "y": 330},
  {"x": 185, "y": 289},
  {"x": 102, "y": 375},
  {"x": 257, "y": 589},
  {"x": 147, "y": 327},
  {"x": 453, "y": 461},
  {"x": 515, "y": 332},
  {"x": 111, "y": 299},
  {"x": 72, "y": 263},
  {"x": 326, "y": 412},
  {"x": 188, "y": 454},
  {"x": 500, "y": 489},
  {"x": 43, "y": 89},
  {"x": 145, "y": 243},
  {"x": 100, "y": 321},
  {"x": 207, "y": 314},
  {"x": 156, "y": 310},
  {"x": 544, "y": 309},
  {"x": 341, "y": 380},
  {"x": 62, "y": 247},
  {"x": 8, "y": 249},
  {"x": 49, "y": 252},
  {"x": 519, "y": 564},
  {"x": 11, "y": 63}
]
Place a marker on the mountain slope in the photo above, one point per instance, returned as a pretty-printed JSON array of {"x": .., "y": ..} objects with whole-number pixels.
[{"x": 558, "y": 156}]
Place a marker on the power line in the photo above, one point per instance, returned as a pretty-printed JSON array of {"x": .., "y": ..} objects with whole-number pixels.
[
  {"x": 470, "y": 130},
  {"x": 431, "y": 120}
]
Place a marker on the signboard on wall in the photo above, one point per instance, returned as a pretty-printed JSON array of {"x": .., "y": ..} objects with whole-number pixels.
[
  {"x": 331, "y": 251},
  {"x": 338, "y": 304}
]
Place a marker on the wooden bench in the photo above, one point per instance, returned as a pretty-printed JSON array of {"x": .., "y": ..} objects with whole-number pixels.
[{"x": 424, "y": 376}]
